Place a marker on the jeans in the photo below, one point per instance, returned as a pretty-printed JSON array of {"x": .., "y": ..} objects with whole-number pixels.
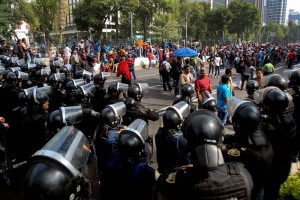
[
  {"x": 217, "y": 70},
  {"x": 131, "y": 68},
  {"x": 222, "y": 114}
]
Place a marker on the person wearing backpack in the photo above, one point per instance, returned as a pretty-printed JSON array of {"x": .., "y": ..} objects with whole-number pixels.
[
  {"x": 164, "y": 70},
  {"x": 208, "y": 177}
]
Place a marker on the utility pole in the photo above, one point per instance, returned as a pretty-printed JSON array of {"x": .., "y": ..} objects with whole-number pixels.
[
  {"x": 131, "y": 26},
  {"x": 186, "y": 14}
]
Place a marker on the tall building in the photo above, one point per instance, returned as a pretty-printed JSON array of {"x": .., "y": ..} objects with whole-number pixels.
[
  {"x": 277, "y": 11},
  {"x": 294, "y": 16}
]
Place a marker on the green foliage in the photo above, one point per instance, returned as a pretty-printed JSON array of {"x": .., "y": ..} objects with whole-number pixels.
[
  {"x": 10, "y": 16},
  {"x": 270, "y": 28},
  {"x": 246, "y": 19},
  {"x": 290, "y": 189},
  {"x": 92, "y": 14}
]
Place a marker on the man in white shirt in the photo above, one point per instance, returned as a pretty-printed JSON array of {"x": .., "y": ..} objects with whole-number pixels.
[{"x": 67, "y": 52}]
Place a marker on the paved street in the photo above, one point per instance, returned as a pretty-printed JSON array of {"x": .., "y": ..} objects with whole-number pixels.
[{"x": 159, "y": 100}]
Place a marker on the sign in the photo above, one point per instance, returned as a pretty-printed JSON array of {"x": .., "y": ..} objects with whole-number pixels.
[{"x": 272, "y": 34}]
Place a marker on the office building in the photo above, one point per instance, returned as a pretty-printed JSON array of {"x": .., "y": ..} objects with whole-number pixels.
[{"x": 277, "y": 11}]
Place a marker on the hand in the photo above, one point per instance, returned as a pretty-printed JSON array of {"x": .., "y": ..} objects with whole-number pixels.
[
  {"x": 2, "y": 120},
  {"x": 6, "y": 125}
]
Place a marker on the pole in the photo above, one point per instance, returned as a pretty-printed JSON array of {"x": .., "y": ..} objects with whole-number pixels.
[
  {"x": 131, "y": 26},
  {"x": 106, "y": 31},
  {"x": 186, "y": 29}
]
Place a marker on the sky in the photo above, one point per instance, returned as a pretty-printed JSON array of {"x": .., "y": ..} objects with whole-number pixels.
[{"x": 293, "y": 4}]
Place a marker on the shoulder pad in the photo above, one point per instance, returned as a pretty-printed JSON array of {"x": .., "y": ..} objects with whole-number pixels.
[
  {"x": 129, "y": 101},
  {"x": 171, "y": 178},
  {"x": 234, "y": 152}
]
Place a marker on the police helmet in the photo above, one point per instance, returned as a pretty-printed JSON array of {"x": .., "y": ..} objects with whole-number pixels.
[
  {"x": 208, "y": 101},
  {"x": 135, "y": 93},
  {"x": 246, "y": 117},
  {"x": 45, "y": 182},
  {"x": 38, "y": 97},
  {"x": 175, "y": 115},
  {"x": 187, "y": 90},
  {"x": 11, "y": 77},
  {"x": 112, "y": 90},
  {"x": 99, "y": 79},
  {"x": 78, "y": 74},
  {"x": 203, "y": 127},
  {"x": 130, "y": 145},
  {"x": 109, "y": 118},
  {"x": 40, "y": 74},
  {"x": 275, "y": 101},
  {"x": 277, "y": 81},
  {"x": 251, "y": 87},
  {"x": 70, "y": 86},
  {"x": 295, "y": 78},
  {"x": 247, "y": 124},
  {"x": 172, "y": 120}
]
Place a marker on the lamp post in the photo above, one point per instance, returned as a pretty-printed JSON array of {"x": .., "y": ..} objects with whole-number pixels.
[{"x": 131, "y": 26}]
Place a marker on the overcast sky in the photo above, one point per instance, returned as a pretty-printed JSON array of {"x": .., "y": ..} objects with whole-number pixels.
[{"x": 293, "y": 4}]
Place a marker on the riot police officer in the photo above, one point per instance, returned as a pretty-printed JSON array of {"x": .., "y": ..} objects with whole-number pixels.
[
  {"x": 208, "y": 175},
  {"x": 294, "y": 84},
  {"x": 280, "y": 129},
  {"x": 69, "y": 96},
  {"x": 97, "y": 100},
  {"x": 249, "y": 144},
  {"x": 171, "y": 146},
  {"x": 115, "y": 93},
  {"x": 56, "y": 171},
  {"x": 134, "y": 107},
  {"x": 251, "y": 87},
  {"x": 187, "y": 92},
  {"x": 279, "y": 81},
  {"x": 35, "y": 123},
  {"x": 133, "y": 177}
]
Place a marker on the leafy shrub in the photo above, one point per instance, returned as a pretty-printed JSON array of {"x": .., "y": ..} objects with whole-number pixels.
[{"x": 290, "y": 189}]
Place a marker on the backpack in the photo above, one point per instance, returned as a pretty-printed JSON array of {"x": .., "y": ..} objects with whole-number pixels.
[
  {"x": 162, "y": 67},
  {"x": 236, "y": 60},
  {"x": 16, "y": 49}
]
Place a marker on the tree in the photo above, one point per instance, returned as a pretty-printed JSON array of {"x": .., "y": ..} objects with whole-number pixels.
[
  {"x": 246, "y": 19},
  {"x": 92, "y": 14},
  {"x": 293, "y": 32},
  {"x": 11, "y": 14},
  {"x": 273, "y": 32},
  {"x": 48, "y": 15},
  {"x": 62, "y": 17}
]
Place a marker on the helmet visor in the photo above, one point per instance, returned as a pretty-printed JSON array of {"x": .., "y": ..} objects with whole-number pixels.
[
  {"x": 122, "y": 87},
  {"x": 69, "y": 147},
  {"x": 233, "y": 104},
  {"x": 181, "y": 108},
  {"x": 259, "y": 95},
  {"x": 140, "y": 128},
  {"x": 88, "y": 89},
  {"x": 119, "y": 109},
  {"x": 71, "y": 114},
  {"x": 144, "y": 87}
]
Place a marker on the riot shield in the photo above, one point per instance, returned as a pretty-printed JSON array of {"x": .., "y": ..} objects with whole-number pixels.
[{"x": 71, "y": 114}]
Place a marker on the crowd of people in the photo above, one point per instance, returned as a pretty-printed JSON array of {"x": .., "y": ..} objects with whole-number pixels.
[{"x": 195, "y": 159}]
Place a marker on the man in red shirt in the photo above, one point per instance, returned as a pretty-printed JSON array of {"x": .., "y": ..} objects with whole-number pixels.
[
  {"x": 130, "y": 63},
  {"x": 202, "y": 83},
  {"x": 123, "y": 70},
  {"x": 150, "y": 57},
  {"x": 291, "y": 58}
]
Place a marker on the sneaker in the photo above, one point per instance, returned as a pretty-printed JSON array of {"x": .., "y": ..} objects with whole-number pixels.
[{"x": 177, "y": 96}]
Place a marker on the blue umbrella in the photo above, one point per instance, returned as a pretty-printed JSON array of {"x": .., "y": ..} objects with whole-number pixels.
[{"x": 185, "y": 52}]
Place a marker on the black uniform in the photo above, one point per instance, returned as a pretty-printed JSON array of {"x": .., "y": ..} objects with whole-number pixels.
[{"x": 136, "y": 110}]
